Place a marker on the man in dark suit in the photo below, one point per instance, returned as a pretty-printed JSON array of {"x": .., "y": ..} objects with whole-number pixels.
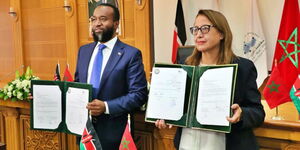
[{"x": 116, "y": 72}]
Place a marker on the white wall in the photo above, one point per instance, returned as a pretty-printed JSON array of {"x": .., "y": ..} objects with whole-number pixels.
[{"x": 164, "y": 18}]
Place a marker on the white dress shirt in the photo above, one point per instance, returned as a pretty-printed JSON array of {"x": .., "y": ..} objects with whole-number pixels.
[
  {"x": 197, "y": 139},
  {"x": 106, "y": 54}
]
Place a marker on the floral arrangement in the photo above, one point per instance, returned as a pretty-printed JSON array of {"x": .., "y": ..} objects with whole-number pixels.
[{"x": 19, "y": 88}]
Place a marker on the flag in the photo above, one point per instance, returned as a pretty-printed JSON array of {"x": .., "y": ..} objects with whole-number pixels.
[
  {"x": 57, "y": 73},
  {"x": 127, "y": 142},
  {"x": 68, "y": 75},
  {"x": 254, "y": 46},
  {"x": 286, "y": 53},
  {"x": 295, "y": 93},
  {"x": 276, "y": 91},
  {"x": 179, "y": 34},
  {"x": 89, "y": 139}
]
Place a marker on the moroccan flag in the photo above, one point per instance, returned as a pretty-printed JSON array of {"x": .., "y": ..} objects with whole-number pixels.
[
  {"x": 276, "y": 91},
  {"x": 127, "y": 142},
  {"x": 89, "y": 138},
  {"x": 179, "y": 36},
  {"x": 286, "y": 53},
  {"x": 295, "y": 93},
  {"x": 67, "y": 75},
  {"x": 57, "y": 73}
]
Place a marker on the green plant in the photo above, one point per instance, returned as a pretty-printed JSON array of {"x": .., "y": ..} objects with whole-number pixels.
[{"x": 19, "y": 88}]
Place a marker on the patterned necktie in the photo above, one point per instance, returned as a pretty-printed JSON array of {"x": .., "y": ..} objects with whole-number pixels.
[{"x": 96, "y": 72}]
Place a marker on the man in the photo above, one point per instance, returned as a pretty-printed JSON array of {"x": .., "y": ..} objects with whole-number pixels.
[{"x": 120, "y": 87}]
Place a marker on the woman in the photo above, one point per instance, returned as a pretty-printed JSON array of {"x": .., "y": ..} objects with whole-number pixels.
[{"x": 213, "y": 40}]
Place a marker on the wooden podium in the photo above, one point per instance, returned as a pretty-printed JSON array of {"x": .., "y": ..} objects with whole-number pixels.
[
  {"x": 16, "y": 134},
  {"x": 280, "y": 134},
  {"x": 15, "y": 131}
]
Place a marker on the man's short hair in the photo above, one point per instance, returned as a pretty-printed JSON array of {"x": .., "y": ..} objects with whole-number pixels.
[{"x": 116, "y": 10}]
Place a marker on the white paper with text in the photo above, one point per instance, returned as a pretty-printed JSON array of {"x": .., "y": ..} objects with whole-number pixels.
[
  {"x": 167, "y": 92},
  {"x": 47, "y": 107},
  {"x": 76, "y": 112},
  {"x": 214, "y": 96}
]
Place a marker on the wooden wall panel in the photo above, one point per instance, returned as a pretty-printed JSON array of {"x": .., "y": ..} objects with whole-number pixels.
[
  {"x": 142, "y": 33},
  {"x": 36, "y": 139},
  {"x": 7, "y": 60},
  {"x": 128, "y": 19},
  {"x": 287, "y": 110},
  {"x": 43, "y": 27},
  {"x": 2, "y": 133},
  {"x": 83, "y": 22},
  {"x": 164, "y": 138},
  {"x": 274, "y": 144},
  {"x": 12, "y": 132},
  {"x": 143, "y": 140}
]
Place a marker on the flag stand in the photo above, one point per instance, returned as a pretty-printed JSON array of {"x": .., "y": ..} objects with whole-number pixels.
[{"x": 277, "y": 116}]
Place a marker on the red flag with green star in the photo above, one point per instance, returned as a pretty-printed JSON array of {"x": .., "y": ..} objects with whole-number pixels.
[
  {"x": 276, "y": 91},
  {"x": 286, "y": 54},
  {"x": 127, "y": 142}
]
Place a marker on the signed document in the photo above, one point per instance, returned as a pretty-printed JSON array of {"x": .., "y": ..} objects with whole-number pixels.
[
  {"x": 76, "y": 112},
  {"x": 214, "y": 95},
  {"x": 48, "y": 106},
  {"x": 59, "y": 106},
  {"x": 166, "y": 96},
  {"x": 197, "y": 97}
]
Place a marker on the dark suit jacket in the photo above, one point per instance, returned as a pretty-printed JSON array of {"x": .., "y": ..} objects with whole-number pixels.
[
  {"x": 123, "y": 87},
  {"x": 248, "y": 97}
]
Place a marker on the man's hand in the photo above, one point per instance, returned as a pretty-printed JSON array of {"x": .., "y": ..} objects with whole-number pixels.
[
  {"x": 96, "y": 107},
  {"x": 237, "y": 113}
]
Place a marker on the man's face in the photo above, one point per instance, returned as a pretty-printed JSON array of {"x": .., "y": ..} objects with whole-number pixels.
[{"x": 103, "y": 24}]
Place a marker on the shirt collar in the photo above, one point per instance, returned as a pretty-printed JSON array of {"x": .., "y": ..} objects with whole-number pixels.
[{"x": 109, "y": 44}]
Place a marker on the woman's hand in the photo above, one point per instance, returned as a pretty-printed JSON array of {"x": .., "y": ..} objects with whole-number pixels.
[
  {"x": 161, "y": 124},
  {"x": 30, "y": 97},
  {"x": 237, "y": 113}
]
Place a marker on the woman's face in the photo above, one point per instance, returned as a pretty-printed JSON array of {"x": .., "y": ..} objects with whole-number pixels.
[{"x": 209, "y": 38}]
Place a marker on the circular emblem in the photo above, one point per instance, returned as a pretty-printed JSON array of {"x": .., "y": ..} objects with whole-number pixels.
[
  {"x": 156, "y": 71},
  {"x": 254, "y": 46}
]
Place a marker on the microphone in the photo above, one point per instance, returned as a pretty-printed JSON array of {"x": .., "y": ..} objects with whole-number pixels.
[{"x": 11, "y": 73}]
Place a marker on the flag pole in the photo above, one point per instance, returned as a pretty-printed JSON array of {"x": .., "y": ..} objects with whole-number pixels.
[
  {"x": 58, "y": 66},
  {"x": 128, "y": 120},
  {"x": 277, "y": 116}
]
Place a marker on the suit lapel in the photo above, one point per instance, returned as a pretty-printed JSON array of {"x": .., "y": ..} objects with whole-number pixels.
[
  {"x": 114, "y": 58},
  {"x": 86, "y": 62}
]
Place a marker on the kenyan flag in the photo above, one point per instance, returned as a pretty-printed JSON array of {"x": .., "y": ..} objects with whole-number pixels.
[
  {"x": 89, "y": 138},
  {"x": 295, "y": 93}
]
